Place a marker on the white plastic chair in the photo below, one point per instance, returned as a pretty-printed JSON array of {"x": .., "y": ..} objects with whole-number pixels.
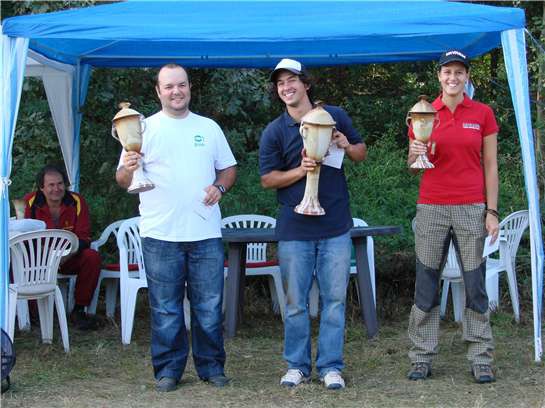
[
  {"x": 131, "y": 281},
  {"x": 130, "y": 252},
  {"x": 35, "y": 259},
  {"x": 109, "y": 273},
  {"x": 256, "y": 256},
  {"x": 511, "y": 229},
  {"x": 314, "y": 295},
  {"x": 18, "y": 226}
]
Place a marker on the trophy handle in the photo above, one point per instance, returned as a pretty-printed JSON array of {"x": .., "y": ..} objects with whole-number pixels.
[
  {"x": 303, "y": 130},
  {"x": 407, "y": 118},
  {"x": 142, "y": 123},
  {"x": 114, "y": 133}
]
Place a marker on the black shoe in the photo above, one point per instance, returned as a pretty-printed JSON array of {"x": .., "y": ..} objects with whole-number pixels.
[
  {"x": 165, "y": 384},
  {"x": 218, "y": 380},
  {"x": 82, "y": 321},
  {"x": 419, "y": 371},
  {"x": 482, "y": 373}
]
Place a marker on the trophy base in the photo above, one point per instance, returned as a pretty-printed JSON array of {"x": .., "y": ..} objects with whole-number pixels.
[
  {"x": 314, "y": 209},
  {"x": 140, "y": 187},
  {"x": 422, "y": 162}
]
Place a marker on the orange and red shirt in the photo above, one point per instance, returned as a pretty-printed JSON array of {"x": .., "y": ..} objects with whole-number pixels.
[
  {"x": 74, "y": 215},
  {"x": 458, "y": 176}
]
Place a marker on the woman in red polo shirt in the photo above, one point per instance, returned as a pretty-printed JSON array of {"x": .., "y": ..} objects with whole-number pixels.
[{"x": 457, "y": 201}]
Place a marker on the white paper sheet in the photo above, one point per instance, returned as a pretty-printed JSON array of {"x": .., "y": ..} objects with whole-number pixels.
[
  {"x": 335, "y": 156},
  {"x": 490, "y": 247},
  {"x": 201, "y": 208}
]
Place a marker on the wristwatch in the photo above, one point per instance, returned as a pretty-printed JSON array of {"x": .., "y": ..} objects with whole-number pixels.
[{"x": 221, "y": 188}]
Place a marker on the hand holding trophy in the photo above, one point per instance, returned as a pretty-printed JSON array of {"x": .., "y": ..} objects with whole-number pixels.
[
  {"x": 127, "y": 128},
  {"x": 316, "y": 129},
  {"x": 422, "y": 117}
]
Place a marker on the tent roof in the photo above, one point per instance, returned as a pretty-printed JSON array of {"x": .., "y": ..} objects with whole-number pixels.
[{"x": 257, "y": 34}]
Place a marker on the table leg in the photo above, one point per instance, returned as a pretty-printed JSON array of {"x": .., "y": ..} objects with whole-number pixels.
[
  {"x": 367, "y": 302},
  {"x": 241, "y": 282},
  {"x": 237, "y": 262}
]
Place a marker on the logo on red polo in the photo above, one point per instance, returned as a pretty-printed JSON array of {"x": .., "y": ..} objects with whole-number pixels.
[{"x": 474, "y": 126}]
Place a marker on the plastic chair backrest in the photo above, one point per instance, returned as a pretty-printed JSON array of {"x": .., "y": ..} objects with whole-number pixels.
[
  {"x": 255, "y": 252},
  {"x": 18, "y": 226},
  {"x": 130, "y": 247},
  {"x": 111, "y": 229},
  {"x": 511, "y": 229},
  {"x": 358, "y": 222},
  {"x": 36, "y": 255}
]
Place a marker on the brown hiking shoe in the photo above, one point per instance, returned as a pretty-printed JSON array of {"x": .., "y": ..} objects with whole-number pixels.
[
  {"x": 483, "y": 373},
  {"x": 419, "y": 371}
]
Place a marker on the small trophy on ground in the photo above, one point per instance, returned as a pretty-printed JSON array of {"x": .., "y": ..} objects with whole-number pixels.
[
  {"x": 19, "y": 207},
  {"x": 127, "y": 128},
  {"x": 317, "y": 130},
  {"x": 421, "y": 119}
]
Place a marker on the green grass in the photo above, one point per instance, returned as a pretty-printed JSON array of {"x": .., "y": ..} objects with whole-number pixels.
[{"x": 100, "y": 372}]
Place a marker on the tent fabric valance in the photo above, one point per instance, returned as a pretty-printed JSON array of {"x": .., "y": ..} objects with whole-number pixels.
[{"x": 256, "y": 34}]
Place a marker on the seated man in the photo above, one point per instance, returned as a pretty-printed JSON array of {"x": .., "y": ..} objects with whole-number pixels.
[{"x": 62, "y": 209}]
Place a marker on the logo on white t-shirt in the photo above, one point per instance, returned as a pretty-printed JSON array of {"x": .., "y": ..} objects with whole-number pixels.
[
  {"x": 474, "y": 126},
  {"x": 199, "y": 140}
]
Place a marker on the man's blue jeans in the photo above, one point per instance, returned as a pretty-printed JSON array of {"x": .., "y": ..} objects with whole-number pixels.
[
  {"x": 169, "y": 265},
  {"x": 328, "y": 260}
]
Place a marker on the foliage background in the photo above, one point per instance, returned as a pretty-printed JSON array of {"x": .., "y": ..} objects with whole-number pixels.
[{"x": 376, "y": 96}]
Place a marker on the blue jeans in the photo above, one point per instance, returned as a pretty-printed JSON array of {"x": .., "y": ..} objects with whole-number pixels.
[
  {"x": 299, "y": 260},
  {"x": 169, "y": 266}
]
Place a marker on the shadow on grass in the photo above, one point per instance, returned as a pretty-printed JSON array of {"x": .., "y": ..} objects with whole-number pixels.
[{"x": 101, "y": 372}]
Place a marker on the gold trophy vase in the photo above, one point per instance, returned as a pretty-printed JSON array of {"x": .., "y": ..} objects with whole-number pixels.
[
  {"x": 127, "y": 128},
  {"x": 316, "y": 129},
  {"x": 422, "y": 118}
]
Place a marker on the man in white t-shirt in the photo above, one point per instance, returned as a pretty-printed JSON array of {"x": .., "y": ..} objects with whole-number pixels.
[{"x": 189, "y": 160}]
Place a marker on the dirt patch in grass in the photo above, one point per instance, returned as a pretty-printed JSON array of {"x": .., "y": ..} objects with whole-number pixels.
[{"x": 100, "y": 372}]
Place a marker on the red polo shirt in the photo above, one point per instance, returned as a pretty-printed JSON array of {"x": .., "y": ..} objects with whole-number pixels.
[{"x": 458, "y": 176}]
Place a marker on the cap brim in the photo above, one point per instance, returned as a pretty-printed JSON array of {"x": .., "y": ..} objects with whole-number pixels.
[
  {"x": 450, "y": 60},
  {"x": 272, "y": 77}
]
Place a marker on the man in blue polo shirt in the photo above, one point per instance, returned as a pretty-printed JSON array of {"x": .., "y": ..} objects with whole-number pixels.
[{"x": 309, "y": 245}]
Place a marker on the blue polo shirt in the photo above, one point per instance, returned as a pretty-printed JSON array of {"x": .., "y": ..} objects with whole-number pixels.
[{"x": 280, "y": 149}]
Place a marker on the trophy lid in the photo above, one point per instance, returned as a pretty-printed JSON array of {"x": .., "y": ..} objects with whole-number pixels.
[
  {"x": 125, "y": 111},
  {"x": 318, "y": 116},
  {"x": 423, "y": 106}
]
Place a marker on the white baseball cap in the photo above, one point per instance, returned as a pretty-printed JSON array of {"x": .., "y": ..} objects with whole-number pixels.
[{"x": 289, "y": 65}]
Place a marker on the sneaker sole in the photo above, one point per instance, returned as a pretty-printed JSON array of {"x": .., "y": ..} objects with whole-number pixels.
[
  {"x": 291, "y": 385},
  {"x": 335, "y": 386}
]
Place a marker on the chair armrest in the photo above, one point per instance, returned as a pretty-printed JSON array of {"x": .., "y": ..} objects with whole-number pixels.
[{"x": 110, "y": 229}]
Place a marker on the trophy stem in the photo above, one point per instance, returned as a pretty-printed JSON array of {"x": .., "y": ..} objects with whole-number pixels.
[
  {"x": 422, "y": 162},
  {"x": 139, "y": 182},
  {"x": 310, "y": 205}
]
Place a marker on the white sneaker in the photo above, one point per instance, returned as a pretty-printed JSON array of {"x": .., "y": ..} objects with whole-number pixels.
[
  {"x": 333, "y": 380},
  {"x": 293, "y": 378}
]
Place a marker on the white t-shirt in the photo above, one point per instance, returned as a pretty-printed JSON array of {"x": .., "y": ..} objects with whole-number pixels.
[{"x": 181, "y": 157}]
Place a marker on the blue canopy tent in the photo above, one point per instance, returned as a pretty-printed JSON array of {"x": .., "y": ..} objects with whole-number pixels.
[{"x": 258, "y": 34}]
